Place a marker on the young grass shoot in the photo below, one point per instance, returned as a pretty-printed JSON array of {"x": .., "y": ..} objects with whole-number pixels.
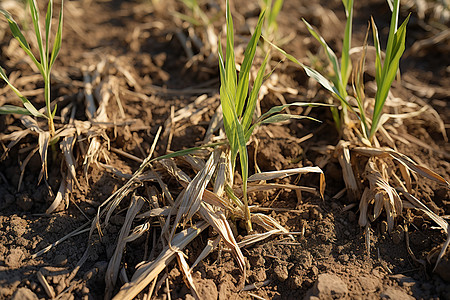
[
  {"x": 47, "y": 57},
  {"x": 238, "y": 105},
  {"x": 337, "y": 82}
]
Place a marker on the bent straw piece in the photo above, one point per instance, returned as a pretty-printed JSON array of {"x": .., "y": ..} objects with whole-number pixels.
[
  {"x": 147, "y": 272},
  {"x": 189, "y": 203},
  {"x": 155, "y": 212},
  {"x": 255, "y": 238},
  {"x": 348, "y": 174},
  {"x": 405, "y": 160},
  {"x": 363, "y": 208},
  {"x": 210, "y": 246},
  {"x": 187, "y": 274},
  {"x": 218, "y": 221},
  {"x": 112, "y": 271},
  {"x": 221, "y": 177},
  {"x": 260, "y": 187},
  {"x": 14, "y": 138},
  {"x": 59, "y": 196},
  {"x": 268, "y": 222},
  {"x": 380, "y": 186},
  {"x": 77, "y": 231},
  {"x": 24, "y": 164},
  {"x": 283, "y": 173},
  {"x": 175, "y": 171},
  {"x": 47, "y": 287},
  {"x": 211, "y": 198},
  {"x": 44, "y": 139},
  {"x": 67, "y": 149}
]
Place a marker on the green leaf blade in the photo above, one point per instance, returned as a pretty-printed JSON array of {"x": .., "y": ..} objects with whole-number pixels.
[
  {"x": 58, "y": 37},
  {"x": 244, "y": 74},
  {"x": 329, "y": 52},
  {"x": 346, "y": 66},
  {"x": 24, "y": 100},
  {"x": 35, "y": 18},
  {"x": 230, "y": 62},
  {"x": 48, "y": 26},
  {"x": 390, "y": 69},
  {"x": 250, "y": 110},
  {"x": 12, "y": 109}
]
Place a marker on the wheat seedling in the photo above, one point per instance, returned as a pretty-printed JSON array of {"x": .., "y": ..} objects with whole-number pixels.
[
  {"x": 377, "y": 185},
  {"x": 45, "y": 63},
  {"x": 238, "y": 106}
]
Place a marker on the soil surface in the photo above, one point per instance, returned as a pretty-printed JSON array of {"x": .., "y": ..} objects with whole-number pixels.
[{"x": 151, "y": 78}]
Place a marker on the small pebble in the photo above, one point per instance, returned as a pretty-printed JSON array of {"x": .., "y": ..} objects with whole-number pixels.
[{"x": 281, "y": 272}]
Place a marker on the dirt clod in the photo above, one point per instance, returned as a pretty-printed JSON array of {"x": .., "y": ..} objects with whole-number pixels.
[
  {"x": 24, "y": 294},
  {"x": 207, "y": 289},
  {"x": 328, "y": 286},
  {"x": 392, "y": 293},
  {"x": 281, "y": 272},
  {"x": 369, "y": 284},
  {"x": 14, "y": 258}
]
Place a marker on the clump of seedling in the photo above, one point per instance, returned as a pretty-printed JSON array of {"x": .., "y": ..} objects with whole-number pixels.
[
  {"x": 367, "y": 167},
  {"x": 44, "y": 63},
  {"x": 62, "y": 134},
  {"x": 47, "y": 57},
  {"x": 239, "y": 107}
]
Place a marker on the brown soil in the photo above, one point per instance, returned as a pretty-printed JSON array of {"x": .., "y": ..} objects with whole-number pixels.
[{"x": 143, "y": 41}]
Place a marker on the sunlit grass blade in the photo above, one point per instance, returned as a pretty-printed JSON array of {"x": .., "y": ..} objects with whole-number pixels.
[
  {"x": 285, "y": 117},
  {"x": 244, "y": 73},
  {"x": 251, "y": 105},
  {"x": 35, "y": 17},
  {"x": 376, "y": 43},
  {"x": 395, "y": 8},
  {"x": 315, "y": 75},
  {"x": 386, "y": 72},
  {"x": 11, "y": 109},
  {"x": 266, "y": 117},
  {"x": 330, "y": 55},
  {"x": 25, "y": 101},
  {"x": 227, "y": 106},
  {"x": 230, "y": 65},
  {"x": 48, "y": 26},
  {"x": 58, "y": 38},
  {"x": 17, "y": 34},
  {"x": 346, "y": 66}
]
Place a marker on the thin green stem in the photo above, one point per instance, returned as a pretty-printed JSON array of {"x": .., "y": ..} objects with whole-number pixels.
[
  {"x": 51, "y": 126},
  {"x": 248, "y": 221}
]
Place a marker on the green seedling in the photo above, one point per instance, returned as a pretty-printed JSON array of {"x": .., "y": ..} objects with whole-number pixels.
[
  {"x": 45, "y": 63},
  {"x": 341, "y": 71},
  {"x": 337, "y": 82},
  {"x": 238, "y": 105},
  {"x": 386, "y": 71}
]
